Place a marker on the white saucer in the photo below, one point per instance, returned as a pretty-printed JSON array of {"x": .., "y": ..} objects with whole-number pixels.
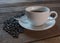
[{"x": 24, "y": 22}]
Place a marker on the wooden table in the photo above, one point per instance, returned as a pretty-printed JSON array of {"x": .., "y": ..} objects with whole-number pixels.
[{"x": 48, "y": 36}]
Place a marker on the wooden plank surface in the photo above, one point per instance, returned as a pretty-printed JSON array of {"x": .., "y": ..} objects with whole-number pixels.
[
  {"x": 50, "y": 40},
  {"x": 29, "y": 36},
  {"x": 21, "y": 6},
  {"x": 5, "y": 3}
]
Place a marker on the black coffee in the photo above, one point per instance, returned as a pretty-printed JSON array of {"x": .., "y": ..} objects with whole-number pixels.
[{"x": 36, "y": 11}]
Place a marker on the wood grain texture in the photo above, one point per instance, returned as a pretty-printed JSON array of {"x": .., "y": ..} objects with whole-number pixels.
[
  {"x": 29, "y": 3},
  {"x": 11, "y": 7},
  {"x": 50, "y": 40}
]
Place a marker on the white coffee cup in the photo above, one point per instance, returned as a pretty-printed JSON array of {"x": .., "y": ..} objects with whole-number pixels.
[{"x": 39, "y": 18}]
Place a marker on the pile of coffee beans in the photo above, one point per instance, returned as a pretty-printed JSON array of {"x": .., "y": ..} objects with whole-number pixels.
[{"x": 13, "y": 27}]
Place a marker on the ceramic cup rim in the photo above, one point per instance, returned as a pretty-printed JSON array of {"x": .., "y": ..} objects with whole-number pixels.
[{"x": 30, "y": 8}]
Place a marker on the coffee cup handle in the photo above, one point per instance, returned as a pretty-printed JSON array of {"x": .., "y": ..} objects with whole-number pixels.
[{"x": 55, "y": 14}]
